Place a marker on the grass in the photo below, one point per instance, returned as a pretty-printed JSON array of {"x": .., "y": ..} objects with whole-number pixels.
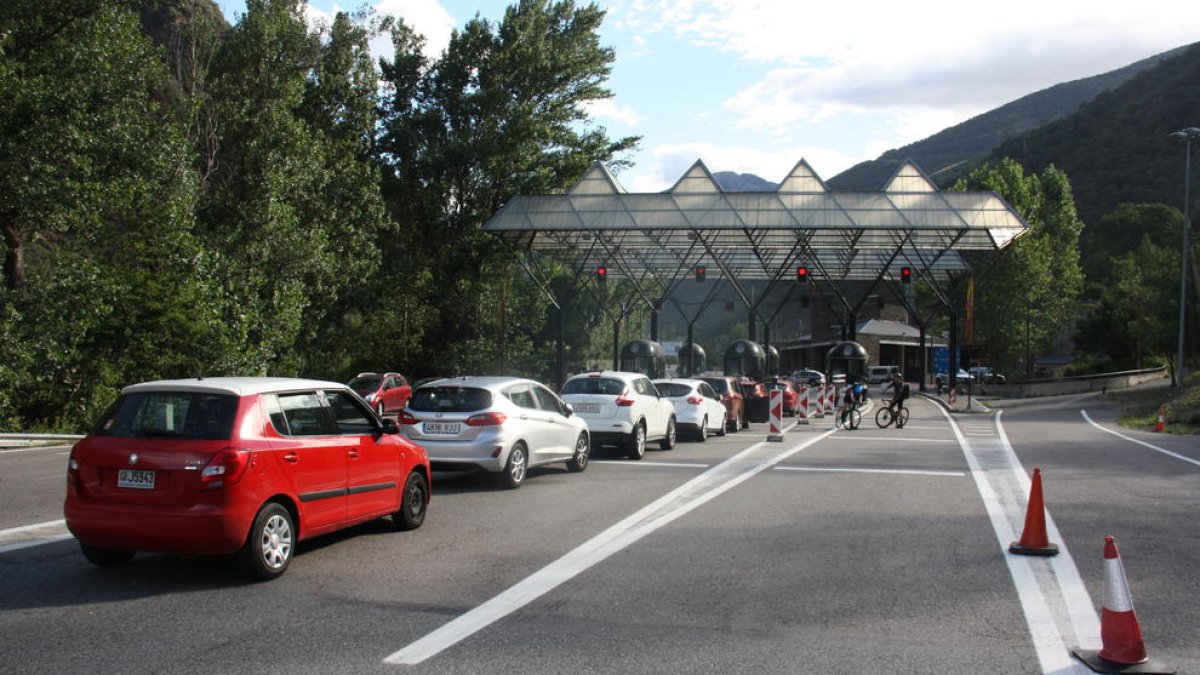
[{"x": 1181, "y": 407}]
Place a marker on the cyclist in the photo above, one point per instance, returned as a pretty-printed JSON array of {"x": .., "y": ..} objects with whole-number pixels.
[
  {"x": 849, "y": 400},
  {"x": 860, "y": 392},
  {"x": 900, "y": 392}
]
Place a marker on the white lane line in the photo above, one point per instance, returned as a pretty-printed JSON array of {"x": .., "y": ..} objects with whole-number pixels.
[
  {"x": 1164, "y": 451},
  {"x": 902, "y": 472},
  {"x": 632, "y": 462},
  {"x": 853, "y": 436},
  {"x": 682, "y": 500},
  {"x": 34, "y": 542},
  {"x": 1048, "y": 642},
  {"x": 9, "y": 451},
  {"x": 41, "y": 533}
]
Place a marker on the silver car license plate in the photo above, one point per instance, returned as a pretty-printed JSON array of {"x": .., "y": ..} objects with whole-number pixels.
[
  {"x": 137, "y": 479},
  {"x": 442, "y": 427},
  {"x": 590, "y": 408}
]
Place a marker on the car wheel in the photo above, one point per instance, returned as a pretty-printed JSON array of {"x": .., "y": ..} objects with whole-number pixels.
[
  {"x": 637, "y": 442},
  {"x": 268, "y": 549},
  {"x": 668, "y": 441},
  {"x": 743, "y": 423},
  {"x": 105, "y": 557},
  {"x": 703, "y": 435},
  {"x": 583, "y": 451},
  {"x": 413, "y": 503},
  {"x": 514, "y": 470},
  {"x": 724, "y": 424}
]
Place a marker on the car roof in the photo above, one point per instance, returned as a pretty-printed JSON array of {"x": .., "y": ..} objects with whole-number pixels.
[
  {"x": 238, "y": 386},
  {"x": 692, "y": 381},
  {"x": 480, "y": 381},
  {"x": 619, "y": 374}
]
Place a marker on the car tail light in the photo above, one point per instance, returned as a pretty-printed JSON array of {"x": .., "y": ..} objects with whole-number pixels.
[
  {"x": 73, "y": 482},
  {"x": 226, "y": 468},
  {"x": 492, "y": 419},
  {"x": 726, "y": 398},
  {"x": 694, "y": 399},
  {"x": 624, "y": 402},
  {"x": 406, "y": 417}
]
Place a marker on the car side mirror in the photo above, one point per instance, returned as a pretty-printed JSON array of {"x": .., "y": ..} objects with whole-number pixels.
[
  {"x": 568, "y": 410},
  {"x": 390, "y": 426}
]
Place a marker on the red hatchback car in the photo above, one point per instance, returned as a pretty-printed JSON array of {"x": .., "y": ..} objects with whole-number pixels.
[
  {"x": 387, "y": 393},
  {"x": 791, "y": 398},
  {"x": 226, "y": 465}
]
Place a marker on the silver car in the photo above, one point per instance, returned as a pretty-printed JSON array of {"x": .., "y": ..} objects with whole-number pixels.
[{"x": 502, "y": 425}]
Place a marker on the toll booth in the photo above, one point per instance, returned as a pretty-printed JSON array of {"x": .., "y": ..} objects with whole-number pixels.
[
  {"x": 772, "y": 360},
  {"x": 644, "y": 356},
  {"x": 846, "y": 361},
  {"x": 744, "y": 358},
  {"x": 692, "y": 360}
]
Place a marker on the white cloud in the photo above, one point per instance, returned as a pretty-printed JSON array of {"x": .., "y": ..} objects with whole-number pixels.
[
  {"x": 609, "y": 109},
  {"x": 427, "y": 17}
]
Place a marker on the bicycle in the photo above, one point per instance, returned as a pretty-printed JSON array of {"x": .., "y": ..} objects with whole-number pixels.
[
  {"x": 850, "y": 419},
  {"x": 884, "y": 418}
]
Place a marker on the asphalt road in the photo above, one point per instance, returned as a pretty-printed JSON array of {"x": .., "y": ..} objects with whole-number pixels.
[{"x": 871, "y": 551}]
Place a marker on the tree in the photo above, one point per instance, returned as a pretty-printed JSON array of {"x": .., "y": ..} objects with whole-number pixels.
[
  {"x": 501, "y": 112},
  {"x": 1028, "y": 295}
]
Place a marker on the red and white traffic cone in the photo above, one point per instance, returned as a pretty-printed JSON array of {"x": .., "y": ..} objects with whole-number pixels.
[
  {"x": 1162, "y": 419},
  {"x": 1034, "y": 540},
  {"x": 1123, "y": 650}
]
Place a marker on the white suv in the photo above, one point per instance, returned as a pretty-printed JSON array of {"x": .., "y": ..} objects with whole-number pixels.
[{"x": 622, "y": 409}]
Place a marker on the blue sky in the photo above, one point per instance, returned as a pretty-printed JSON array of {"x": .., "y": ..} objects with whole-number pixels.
[{"x": 753, "y": 86}]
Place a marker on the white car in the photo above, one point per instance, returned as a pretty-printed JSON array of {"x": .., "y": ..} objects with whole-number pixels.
[
  {"x": 622, "y": 409},
  {"x": 698, "y": 407},
  {"x": 502, "y": 425}
]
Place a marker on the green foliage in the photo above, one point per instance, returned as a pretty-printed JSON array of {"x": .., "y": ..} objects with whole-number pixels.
[{"x": 1028, "y": 296}]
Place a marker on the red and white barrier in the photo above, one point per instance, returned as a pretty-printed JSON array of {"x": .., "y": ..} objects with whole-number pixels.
[
  {"x": 802, "y": 408},
  {"x": 830, "y": 398},
  {"x": 775, "y": 420},
  {"x": 819, "y": 406}
]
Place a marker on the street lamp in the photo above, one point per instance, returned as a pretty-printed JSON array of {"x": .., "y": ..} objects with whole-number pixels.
[{"x": 1187, "y": 135}]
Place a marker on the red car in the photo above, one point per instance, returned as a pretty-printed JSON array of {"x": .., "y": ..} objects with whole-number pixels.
[
  {"x": 246, "y": 466},
  {"x": 388, "y": 393},
  {"x": 791, "y": 398}
]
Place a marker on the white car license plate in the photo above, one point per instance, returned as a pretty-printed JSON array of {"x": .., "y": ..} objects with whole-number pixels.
[
  {"x": 442, "y": 427},
  {"x": 591, "y": 408},
  {"x": 137, "y": 479}
]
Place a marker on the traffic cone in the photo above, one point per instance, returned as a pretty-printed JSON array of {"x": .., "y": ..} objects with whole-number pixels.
[
  {"x": 1123, "y": 650},
  {"x": 1162, "y": 419},
  {"x": 1034, "y": 540}
]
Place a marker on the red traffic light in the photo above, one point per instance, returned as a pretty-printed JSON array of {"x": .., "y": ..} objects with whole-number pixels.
[
  {"x": 801, "y": 274},
  {"x": 700, "y": 272},
  {"x": 601, "y": 274},
  {"x": 905, "y": 275}
]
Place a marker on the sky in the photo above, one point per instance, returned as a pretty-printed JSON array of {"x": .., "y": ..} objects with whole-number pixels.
[{"x": 754, "y": 86}]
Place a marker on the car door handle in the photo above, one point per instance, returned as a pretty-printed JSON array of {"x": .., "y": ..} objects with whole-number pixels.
[
  {"x": 352, "y": 453},
  {"x": 291, "y": 457}
]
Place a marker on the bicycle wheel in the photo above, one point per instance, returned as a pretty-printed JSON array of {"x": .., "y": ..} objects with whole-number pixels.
[
  {"x": 855, "y": 418},
  {"x": 903, "y": 418},
  {"x": 883, "y": 418},
  {"x": 839, "y": 421}
]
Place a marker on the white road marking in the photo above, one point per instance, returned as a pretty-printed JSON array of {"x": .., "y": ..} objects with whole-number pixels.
[
  {"x": 680, "y": 501},
  {"x": 34, "y": 542},
  {"x": 41, "y": 533},
  {"x": 9, "y": 451},
  {"x": 634, "y": 462},
  {"x": 902, "y": 472},
  {"x": 854, "y": 436},
  {"x": 998, "y": 485},
  {"x": 1131, "y": 439}
]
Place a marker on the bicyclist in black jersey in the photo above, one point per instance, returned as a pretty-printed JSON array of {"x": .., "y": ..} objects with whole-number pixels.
[{"x": 900, "y": 393}]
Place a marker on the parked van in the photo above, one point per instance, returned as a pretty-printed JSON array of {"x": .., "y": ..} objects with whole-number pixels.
[{"x": 881, "y": 374}]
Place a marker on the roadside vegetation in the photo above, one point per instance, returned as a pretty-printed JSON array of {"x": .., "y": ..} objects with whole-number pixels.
[{"x": 1180, "y": 405}]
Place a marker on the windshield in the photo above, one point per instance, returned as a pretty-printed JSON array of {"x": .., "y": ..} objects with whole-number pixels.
[
  {"x": 722, "y": 386},
  {"x": 608, "y": 386},
  {"x": 190, "y": 415},
  {"x": 450, "y": 399},
  {"x": 670, "y": 389},
  {"x": 365, "y": 385}
]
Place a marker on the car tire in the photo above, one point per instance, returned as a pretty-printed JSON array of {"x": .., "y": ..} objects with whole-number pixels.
[
  {"x": 703, "y": 435},
  {"x": 583, "y": 451},
  {"x": 516, "y": 467},
  {"x": 636, "y": 448},
  {"x": 668, "y": 441},
  {"x": 724, "y": 425},
  {"x": 743, "y": 423},
  {"x": 272, "y": 542},
  {"x": 105, "y": 557},
  {"x": 414, "y": 501}
]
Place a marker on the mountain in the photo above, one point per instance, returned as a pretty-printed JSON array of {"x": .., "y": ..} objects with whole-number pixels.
[
  {"x": 954, "y": 151},
  {"x": 742, "y": 182}
]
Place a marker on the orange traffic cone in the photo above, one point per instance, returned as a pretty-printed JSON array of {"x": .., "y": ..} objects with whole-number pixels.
[
  {"x": 1162, "y": 419},
  {"x": 1034, "y": 540},
  {"x": 1123, "y": 649}
]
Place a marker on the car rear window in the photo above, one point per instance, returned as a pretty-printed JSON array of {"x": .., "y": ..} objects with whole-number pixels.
[
  {"x": 606, "y": 386},
  {"x": 164, "y": 414},
  {"x": 673, "y": 389},
  {"x": 365, "y": 384},
  {"x": 450, "y": 399},
  {"x": 722, "y": 386}
]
